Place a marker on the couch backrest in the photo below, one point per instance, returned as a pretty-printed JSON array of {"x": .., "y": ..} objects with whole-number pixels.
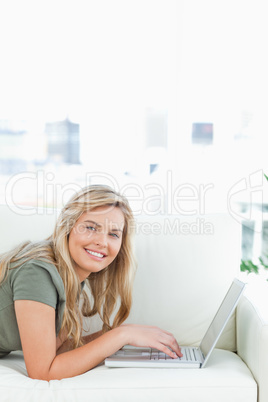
[{"x": 185, "y": 266}]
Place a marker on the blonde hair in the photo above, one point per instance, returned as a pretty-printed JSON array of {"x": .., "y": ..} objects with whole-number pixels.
[{"x": 112, "y": 284}]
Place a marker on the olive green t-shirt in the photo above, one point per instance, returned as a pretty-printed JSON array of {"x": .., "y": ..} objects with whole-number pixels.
[{"x": 34, "y": 280}]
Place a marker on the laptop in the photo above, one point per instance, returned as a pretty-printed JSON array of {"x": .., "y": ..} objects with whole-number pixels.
[{"x": 193, "y": 357}]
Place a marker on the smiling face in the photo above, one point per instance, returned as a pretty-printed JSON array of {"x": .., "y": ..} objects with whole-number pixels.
[{"x": 95, "y": 239}]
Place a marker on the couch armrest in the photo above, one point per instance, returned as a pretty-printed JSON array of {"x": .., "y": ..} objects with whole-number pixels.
[{"x": 252, "y": 333}]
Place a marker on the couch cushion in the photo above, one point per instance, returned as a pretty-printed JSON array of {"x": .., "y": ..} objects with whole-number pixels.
[{"x": 226, "y": 378}]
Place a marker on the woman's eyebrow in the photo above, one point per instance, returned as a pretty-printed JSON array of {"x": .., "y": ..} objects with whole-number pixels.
[{"x": 93, "y": 223}]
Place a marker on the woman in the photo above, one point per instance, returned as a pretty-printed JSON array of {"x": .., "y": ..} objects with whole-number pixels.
[{"x": 41, "y": 285}]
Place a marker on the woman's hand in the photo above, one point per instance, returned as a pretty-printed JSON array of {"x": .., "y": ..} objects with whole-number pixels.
[{"x": 153, "y": 337}]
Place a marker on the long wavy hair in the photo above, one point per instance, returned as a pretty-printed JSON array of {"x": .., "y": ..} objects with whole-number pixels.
[{"x": 111, "y": 288}]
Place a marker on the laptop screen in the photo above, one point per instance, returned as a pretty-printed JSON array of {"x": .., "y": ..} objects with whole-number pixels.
[{"x": 222, "y": 316}]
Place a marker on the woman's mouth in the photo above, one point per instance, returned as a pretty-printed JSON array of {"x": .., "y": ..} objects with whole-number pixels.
[{"x": 95, "y": 253}]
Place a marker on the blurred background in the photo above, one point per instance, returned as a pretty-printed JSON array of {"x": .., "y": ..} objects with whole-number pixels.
[{"x": 166, "y": 100}]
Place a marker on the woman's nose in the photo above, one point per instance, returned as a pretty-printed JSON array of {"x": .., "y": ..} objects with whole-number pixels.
[{"x": 101, "y": 239}]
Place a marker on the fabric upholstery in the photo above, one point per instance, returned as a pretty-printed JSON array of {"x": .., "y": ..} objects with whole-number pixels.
[{"x": 226, "y": 378}]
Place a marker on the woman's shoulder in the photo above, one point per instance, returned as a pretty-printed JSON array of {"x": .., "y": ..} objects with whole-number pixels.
[
  {"x": 36, "y": 263},
  {"x": 38, "y": 280},
  {"x": 38, "y": 270}
]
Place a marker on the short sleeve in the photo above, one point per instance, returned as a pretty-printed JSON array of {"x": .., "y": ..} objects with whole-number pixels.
[{"x": 39, "y": 281}]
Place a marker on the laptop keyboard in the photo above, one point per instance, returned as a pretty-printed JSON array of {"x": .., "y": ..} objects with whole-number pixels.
[{"x": 189, "y": 354}]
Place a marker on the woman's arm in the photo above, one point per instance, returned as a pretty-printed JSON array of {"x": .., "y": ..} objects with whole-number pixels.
[
  {"x": 36, "y": 322},
  {"x": 66, "y": 344}
]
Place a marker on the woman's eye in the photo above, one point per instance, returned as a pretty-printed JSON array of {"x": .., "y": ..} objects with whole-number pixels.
[
  {"x": 90, "y": 228},
  {"x": 114, "y": 235}
]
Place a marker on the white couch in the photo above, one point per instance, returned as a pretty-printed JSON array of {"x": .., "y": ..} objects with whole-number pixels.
[{"x": 185, "y": 265}]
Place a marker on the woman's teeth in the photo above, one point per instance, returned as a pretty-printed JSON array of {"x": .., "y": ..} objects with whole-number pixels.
[{"x": 95, "y": 253}]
